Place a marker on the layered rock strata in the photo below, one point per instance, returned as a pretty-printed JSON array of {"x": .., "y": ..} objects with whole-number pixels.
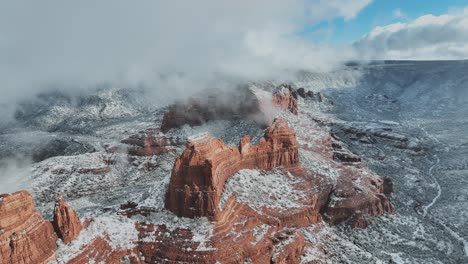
[
  {"x": 24, "y": 236},
  {"x": 200, "y": 172}
]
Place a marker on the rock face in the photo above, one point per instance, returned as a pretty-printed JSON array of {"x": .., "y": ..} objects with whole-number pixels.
[
  {"x": 214, "y": 104},
  {"x": 240, "y": 235},
  {"x": 149, "y": 142},
  {"x": 239, "y": 103},
  {"x": 24, "y": 236},
  {"x": 66, "y": 222},
  {"x": 199, "y": 174},
  {"x": 286, "y": 98}
]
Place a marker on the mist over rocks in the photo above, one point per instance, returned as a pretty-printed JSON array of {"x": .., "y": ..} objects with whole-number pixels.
[{"x": 303, "y": 213}]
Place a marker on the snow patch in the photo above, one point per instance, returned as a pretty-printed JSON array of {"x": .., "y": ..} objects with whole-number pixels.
[
  {"x": 259, "y": 189},
  {"x": 118, "y": 231}
]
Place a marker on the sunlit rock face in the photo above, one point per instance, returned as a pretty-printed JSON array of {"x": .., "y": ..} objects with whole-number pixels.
[
  {"x": 200, "y": 172},
  {"x": 24, "y": 236}
]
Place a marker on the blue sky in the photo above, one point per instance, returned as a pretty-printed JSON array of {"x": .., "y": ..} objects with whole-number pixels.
[{"x": 378, "y": 13}]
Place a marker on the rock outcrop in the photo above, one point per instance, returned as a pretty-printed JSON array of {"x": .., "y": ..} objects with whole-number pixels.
[
  {"x": 358, "y": 192},
  {"x": 149, "y": 142},
  {"x": 199, "y": 174},
  {"x": 240, "y": 103},
  {"x": 214, "y": 104},
  {"x": 24, "y": 236},
  {"x": 66, "y": 222},
  {"x": 286, "y": 98}
]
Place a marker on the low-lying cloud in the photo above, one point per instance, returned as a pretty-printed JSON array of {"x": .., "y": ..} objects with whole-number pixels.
[
  {"x": 428, "y": 37},
  {"x": 72, "y": 44}
]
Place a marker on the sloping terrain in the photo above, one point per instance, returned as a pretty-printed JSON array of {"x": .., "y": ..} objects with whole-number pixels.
[{"x": 405, "y": 120}]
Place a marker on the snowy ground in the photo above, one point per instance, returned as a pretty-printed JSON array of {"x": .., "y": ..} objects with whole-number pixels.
[{"x": 415, "y": 116}]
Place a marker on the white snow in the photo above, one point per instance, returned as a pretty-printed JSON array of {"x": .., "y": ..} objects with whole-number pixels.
[
  {"x": 259, "y": 232},
  {"x": 259, "y": 189},
  {"x": 121, "y": 233},
  {"x": 201, "y": 228}
]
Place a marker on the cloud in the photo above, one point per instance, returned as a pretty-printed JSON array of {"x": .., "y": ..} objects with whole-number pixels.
[
  {"x": 73, "y": 44},
  {"x": 14, "y": 174},
  {"x": 427, "y": 37},
  {"x": 399, "y": 14}
]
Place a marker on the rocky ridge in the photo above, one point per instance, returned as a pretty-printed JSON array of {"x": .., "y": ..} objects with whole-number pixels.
[
  {"x": 237, "y": 230},
  {"x": 200, "y": 172}
]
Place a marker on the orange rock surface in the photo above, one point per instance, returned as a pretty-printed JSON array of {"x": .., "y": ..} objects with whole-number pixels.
[
  {"x": 200, "y": 172},
  {"x": 66, "y": 222},
  {"x": 24, "y": 236}
]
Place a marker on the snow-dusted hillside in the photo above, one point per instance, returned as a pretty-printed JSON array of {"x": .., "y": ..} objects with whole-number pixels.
[{"x": 408, "y": 120}]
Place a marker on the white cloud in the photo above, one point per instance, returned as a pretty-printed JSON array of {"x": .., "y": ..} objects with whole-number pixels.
[
  {"x": 399, "y": 14},
  {"x": 81, "y": 43},
  {"x": 427, "y": 37}
]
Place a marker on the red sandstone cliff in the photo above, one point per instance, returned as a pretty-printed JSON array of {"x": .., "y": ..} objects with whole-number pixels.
[
  {"x": 24, "y": 236},
  {"x": 200, "y": 172},
  {"x": 66, "y": 222}
]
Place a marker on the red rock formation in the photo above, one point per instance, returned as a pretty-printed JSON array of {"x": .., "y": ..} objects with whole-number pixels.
[
  {"x": 240, "y": 103},
  {"x": 358, "y": 191},
  {"x": 149, "y": 142},
  {"x": 66, "y": 222},
  {"x": 286, "y": 98},
  {"x": 199, "y": 174},
  {"x": 240, "y": 235},
  {"x": 214, "y": 104},
  {"x": 24, "y": 236},
  {"x": 100, "y": 251}
]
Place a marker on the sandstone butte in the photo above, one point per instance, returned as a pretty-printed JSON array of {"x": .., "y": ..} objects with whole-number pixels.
[
  {"x": 199, "y": 174},
  {"x": 197, "y": 182},
  {"x": 239, "y": 103}
]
